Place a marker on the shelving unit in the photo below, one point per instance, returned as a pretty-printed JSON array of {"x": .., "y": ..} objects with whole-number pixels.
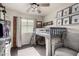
[
  {"x": 2, "y": 12},
  {"x": 5, "y": 46}
]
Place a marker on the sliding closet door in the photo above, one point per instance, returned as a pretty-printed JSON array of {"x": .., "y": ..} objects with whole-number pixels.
[{"x": 27, "y": 26}]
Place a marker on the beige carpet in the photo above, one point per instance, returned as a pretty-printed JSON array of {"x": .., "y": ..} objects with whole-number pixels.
[{"x": 30, "y": 51}]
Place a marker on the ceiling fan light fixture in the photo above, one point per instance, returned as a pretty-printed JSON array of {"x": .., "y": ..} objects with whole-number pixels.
[
  {"x": 34, "y": 5},
  {"x": 34, "y": 8}
]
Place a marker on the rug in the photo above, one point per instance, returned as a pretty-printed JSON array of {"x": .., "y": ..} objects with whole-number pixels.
[{"x": 30, "y": 51}]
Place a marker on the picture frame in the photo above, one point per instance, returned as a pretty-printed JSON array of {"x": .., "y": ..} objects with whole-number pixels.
[
  {"x": 75, "y": 19},
  {"x": 69, "y": 15},
  {"x": 50, "y": 23},
  {"x": 59, "y": 14},
  {"x": 38, "y": 24},
  {"x": 75, "y": 8},
  {"x": 66, "y": 11},
  {"x": 66, "y": 21},
  {"x": 59, "y": 22}
]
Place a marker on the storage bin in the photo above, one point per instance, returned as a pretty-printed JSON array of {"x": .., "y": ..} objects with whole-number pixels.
[
  {"x": 75, "y": 19},
  {"x": 75, "y": 8}
]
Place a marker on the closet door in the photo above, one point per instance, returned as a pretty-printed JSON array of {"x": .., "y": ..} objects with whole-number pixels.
[{"x": 14, "y": 30}]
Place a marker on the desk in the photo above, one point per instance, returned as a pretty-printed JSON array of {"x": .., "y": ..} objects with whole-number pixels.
[
  {"x": 50, "y": 34},
  {"x": 47, "y": 42}
]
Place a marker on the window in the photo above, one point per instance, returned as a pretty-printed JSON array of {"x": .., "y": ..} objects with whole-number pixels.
[{"x": 27, "y": 26}]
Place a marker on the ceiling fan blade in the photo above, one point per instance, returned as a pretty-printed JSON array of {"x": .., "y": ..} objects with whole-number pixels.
[
  {"x": 1, "y": 5},
  {"x": 28, "y": 9},
  {"x": 38, "y": 10},
  {"x": 44, "y": 4}
]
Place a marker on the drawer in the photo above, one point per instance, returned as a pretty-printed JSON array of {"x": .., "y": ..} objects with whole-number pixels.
[
  {"x": 66, "y": 21},
  {"x": 59, "y": 14},
  {"x": 75, "y": 19},
  {"x": 75, "y": 8},
  {"x": 59, "y": 21},
  {"x": 66, "y": 12}
]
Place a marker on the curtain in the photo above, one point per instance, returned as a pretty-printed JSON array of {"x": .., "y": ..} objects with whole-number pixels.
[
  {"x": 26, "y": 30},
  {"x": 19, "y": 42}
]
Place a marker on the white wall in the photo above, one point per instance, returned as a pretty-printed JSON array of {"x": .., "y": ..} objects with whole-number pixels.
[
  {"x": 52, "y": 15},
  {"x": 9, "y": 16},
  {"x": 73, "y": 29},
  {"x": 55, "y": 7}
]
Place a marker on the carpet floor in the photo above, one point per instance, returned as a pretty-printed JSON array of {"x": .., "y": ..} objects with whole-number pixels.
[{"x": 29, "y": 51}]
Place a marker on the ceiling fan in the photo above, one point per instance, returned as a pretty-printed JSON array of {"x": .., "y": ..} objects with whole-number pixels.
[{"x": 35, "y": 7}]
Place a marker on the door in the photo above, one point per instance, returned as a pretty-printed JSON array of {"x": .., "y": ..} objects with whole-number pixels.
[{"x": 14, "y": 30}]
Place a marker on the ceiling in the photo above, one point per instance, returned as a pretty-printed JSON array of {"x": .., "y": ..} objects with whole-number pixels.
[{"x": 23, "y": 7}]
